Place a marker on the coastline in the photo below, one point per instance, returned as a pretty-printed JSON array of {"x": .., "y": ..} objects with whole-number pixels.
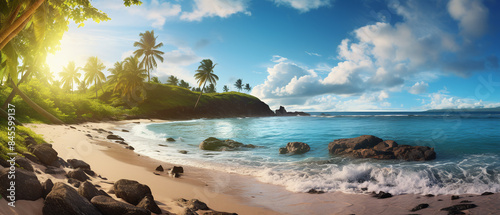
[{"x": 229, "y": 192}]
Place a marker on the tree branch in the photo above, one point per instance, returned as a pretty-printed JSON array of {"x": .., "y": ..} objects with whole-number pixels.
[{"x": 9, "y": 29}]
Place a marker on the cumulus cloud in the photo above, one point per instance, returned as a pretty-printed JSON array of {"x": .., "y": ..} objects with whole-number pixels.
[
  {"x": 157, "y": 12},
  {"x": 304, "y": 5},
  {"x": 419, "y": 88},
  {"x": 472, "y": 16},
  {"x": 383, "y": 57},
  {"x": 443, "y": 100},
  {"x": 213, "y": 8}
]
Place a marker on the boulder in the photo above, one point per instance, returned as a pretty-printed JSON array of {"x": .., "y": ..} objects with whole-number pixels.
[
  {"x": 368, "y": 146},
  {"x": 459, "y": 207},
  {"x": 419, "y": 207},
  {"x": 74, "y": 182},
  {"x": 131, "y": 191},
  {"x": 78, "y": 174},
  {"x": 88, "y": 190},
  {"x": 54, "y": 170},
  {"x": 183, "y": 151},
  {"x": 47, "y": 186},
  {"x": 63, "y": 199},
  {"x": 295, "y": 148},
  {"x": 31, "y": 158},
  {"x": 214, "y": 144},
  {"x": 130, "y": 148},
  {"x": 124, "y": 130},
  {"x": 193, "y": 204},
  {"x": 75, "y": 163},
  {"x": 110, "y": 206},
  {"x": 45, "y": 153},
  {"x": 62, "y": 163},
  {"x": 159, "y": 168},
  {"x": 27, "y": 186},
  {"x": 382, "y": 195},
  {"x": 114, "y": 137},
  {"x": 176, "y": 170},
  {"x": 149, "y": 204},
  {"x": 170, "y": 139},
  {"x": 24, "y": 163}
]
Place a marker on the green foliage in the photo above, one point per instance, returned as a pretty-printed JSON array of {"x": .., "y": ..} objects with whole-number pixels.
[
  {"x": 155, "y": 80},
  {"x": 225, "y": 89},
  {"x": 172, "y": 80},
  {"x": 20, "y": 133},
  {"x": 239, "y": 84},
  {"x": 148, "y": 48}
]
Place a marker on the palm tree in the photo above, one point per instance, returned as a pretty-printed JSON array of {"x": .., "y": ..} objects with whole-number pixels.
[
  {"x": 93, "y": 72},
  {"x": 148, "y": 47},
  {"x": 184, "y": 84},
  {"x": 70, "y": 75},
  {"x": 132, "y": 78},
  {"x": 116, "y": 72},
  {"x": 247, "y": 87},
  {"x": 239, "y": 84},
  {"x": 156, "y": 80},
  {"x": 225, "y": 88},
  {"x": 210, "y": 88},
  {"x": 172, "y": 80},
  {"x": 204, "y": 74},
  {"x": 82, "y": 87}
]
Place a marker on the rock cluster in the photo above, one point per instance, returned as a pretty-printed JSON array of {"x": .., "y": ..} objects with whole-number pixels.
[
  {"x": 282, "y": 112},
  {"x": 368, "y": 146},
  {"x": 295, "y": 148},
  {"x": 214, "y": 144}
]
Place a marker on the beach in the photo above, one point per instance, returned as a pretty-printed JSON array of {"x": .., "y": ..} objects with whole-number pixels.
[{"x": 219, "y": 190}]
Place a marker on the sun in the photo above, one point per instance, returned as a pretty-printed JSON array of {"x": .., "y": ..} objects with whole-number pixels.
[{"x": 72, "y": 49}]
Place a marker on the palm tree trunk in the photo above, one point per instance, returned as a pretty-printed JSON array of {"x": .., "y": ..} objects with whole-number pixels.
[
  {"x": 201, "y": 92},
  {"x": 13, "y": 93},
  {"x": 35, "y": 107}
]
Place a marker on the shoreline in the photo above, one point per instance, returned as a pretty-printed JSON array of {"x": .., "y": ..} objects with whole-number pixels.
[{"x": 229, "y": 192}]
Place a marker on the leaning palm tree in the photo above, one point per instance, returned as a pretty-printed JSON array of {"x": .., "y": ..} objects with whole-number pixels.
[
  {"x": 132, "y": 79},
  {"x": 239, "y": 84},
  {"x": 204, "y": 74},
  {"x": 70, "y": 75},
  {"x": 93, "y": 72},
  {"x": 148, "y": 47}
]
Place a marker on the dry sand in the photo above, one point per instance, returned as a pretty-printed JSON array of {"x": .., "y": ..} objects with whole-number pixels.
[{"x": 221, "y": 191}]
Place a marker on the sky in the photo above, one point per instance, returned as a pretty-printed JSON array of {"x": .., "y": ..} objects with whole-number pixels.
[{"x": 313, "y": 55}]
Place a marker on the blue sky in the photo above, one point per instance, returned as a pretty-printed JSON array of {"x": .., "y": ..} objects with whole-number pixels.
[{"x": 314, "y": 55}]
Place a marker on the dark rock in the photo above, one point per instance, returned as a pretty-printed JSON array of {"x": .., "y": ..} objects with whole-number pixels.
[
  {"x": 368, "y": 146},
  {"x": 4, "y": 163},
  {"x": 218, "y": 213},
  {"x": 88, "y": 190},
  {"x": 170, "y": 139},
  {"x": 89, "y": 172},
  {"x": 486, "y": 194},
  {"x": 63, "y": 199},
  {"x": 214, "y": 144},
  {"x": 75, "y": 163},
  {"x": 30, "y": 141},
  {"x": 455, "y": 197},
  {"x": 31, "y": 158},
  {"x": 183, "y": 151},
  {"x": 74, "y": 182},
  {"x": 114, "y": 137},
  {"x": 24, "y": 163},
  {"x": 176, "y": 170},
  {"x": 459, "y": 207},
  {"x": 314, "y": 191},
  {"x": 295, "y": 148},
  {"x": 465, "y": 201},
  {"x": 196, "y": 204},
  {"x": 27, "y": 186},
  {"x": 47, "y": 186},
  {"x": 78, "y": 174},
  {"x": 163, "y": 145},
  {"x": 429, "y": 195},
  {"x": 159, "y": 168},
  {"x": 419, "y": 207},
  {"x": 149, "y": 204},
  {"x": 130, "y": 147},
  {"x": 72, "y": 127},
  {"x": 122, "y": 143},
  {"x": 131, "y": 191},
  {"x": 45, "y": 153},
  {"x": 54, "y": 170},
  {"x": 282, "y": 112},
  {"x": 62, "y": 163},
  {"x": 382, "y": 195},
  {"x": 110, "y": 206},
  {"x": 124, "y": 130},
  {"x": 88, "y": 135},
  {"x": 364, "y": 189}
]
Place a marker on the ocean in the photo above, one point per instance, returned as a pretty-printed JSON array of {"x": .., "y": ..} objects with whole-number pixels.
[{"x": 467, "y": 147}]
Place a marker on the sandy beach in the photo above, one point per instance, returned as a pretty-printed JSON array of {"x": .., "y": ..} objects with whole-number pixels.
[{"x": 220, "y": 191}]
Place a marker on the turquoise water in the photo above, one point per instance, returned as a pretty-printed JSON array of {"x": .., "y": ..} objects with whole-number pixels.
[{"x": 467, "y": 147}]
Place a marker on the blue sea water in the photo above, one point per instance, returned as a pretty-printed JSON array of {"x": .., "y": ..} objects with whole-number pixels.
[{"x": 467, "y": 147}]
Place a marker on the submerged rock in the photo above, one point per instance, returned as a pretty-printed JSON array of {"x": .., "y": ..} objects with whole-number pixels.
[
  {"x": 214, "y": 144},
  {"x": 368, "y": 146},
  {"x": 295, "y": 148},
  {"x": 170, "y": 139}
]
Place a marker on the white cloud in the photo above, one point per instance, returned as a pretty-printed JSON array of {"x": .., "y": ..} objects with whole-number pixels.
[
  {"x": 154, "y": 12},
  {"x": 278, "y": 59},
  {"x": 304, "y": 5},
  {"x": 313, "y": 54},
  {"x": 442, "y": 100},
  {"x": 212, "y": 8},
  {"x": 419, "y": 88},
  {"x": 471, "y": 14}
]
